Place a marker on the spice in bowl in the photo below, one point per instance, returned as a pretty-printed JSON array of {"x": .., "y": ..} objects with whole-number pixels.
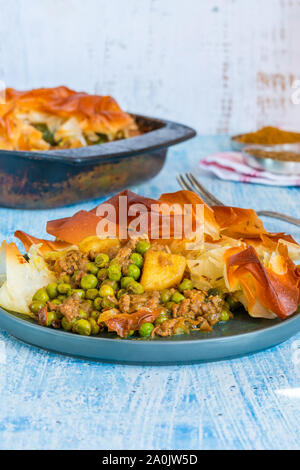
[
  {"x": 269, "y": 136},
  {"x": 273, "y": 155}
]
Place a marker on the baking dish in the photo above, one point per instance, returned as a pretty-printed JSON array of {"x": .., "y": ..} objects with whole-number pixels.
[{"x": 40, "y": 180}]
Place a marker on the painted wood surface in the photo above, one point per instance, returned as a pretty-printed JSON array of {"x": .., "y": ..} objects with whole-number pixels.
[
  {"x": 56, "y": 402},
  {"x": 218, "y": 65}
]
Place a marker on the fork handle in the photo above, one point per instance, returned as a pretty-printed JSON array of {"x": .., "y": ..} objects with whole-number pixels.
[{"x": 277, "y": 215}]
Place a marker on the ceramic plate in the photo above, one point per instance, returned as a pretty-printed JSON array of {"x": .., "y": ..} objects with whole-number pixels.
[{"x": 242, "y": 335}]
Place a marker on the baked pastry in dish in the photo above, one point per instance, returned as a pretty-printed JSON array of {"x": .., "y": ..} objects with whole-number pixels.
[
  {"x": 149, "y": 286},
  {"x": 60, "y": 118}
]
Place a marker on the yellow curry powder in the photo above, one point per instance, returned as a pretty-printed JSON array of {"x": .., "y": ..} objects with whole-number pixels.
[{"x": 269, "y": 136}]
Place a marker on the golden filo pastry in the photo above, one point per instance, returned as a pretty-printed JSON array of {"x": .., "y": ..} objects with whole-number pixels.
[
  {"x": 54, "y": 118},
  {"x": 238, "y": 257}
]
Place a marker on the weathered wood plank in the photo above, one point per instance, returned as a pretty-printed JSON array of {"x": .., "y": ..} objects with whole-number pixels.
[{"x": 219, "y": 65}]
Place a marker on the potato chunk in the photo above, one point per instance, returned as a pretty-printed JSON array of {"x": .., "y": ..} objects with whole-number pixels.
[
  {"x": 162, "y": 270},
  {"x": 98, "y": 245}
]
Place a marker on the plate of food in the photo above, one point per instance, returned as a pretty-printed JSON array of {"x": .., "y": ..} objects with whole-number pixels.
[
  {"x": 59, "y": 147},
  {"x": 166, "y": 281}
]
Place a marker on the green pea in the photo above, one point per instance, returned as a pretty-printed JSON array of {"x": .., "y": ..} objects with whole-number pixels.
[
  {"x": 162, "y": 317},
  {"x": 121, "y": 293},
  {"x": 64, "y": 289},
  {"x": 146, "y": 330},
  {"x": 106, "y": 291},
  {"x": 232, "y": 304},
  {"x": 82, "y": 314},
  {"x": 177, "y": 297},
  {"x": 61, "y": 298},
  {"x": 94, "y": 314},
  {"x": 101, "y": 140},
  {"x": 36, "y": 306},
  {"x": 92, "y": 268},
  {"x": 224, "y": 315},
  {"x": 133, "y": 271},
  {"x": 89, "y": 281},
  {"x": 126, "y": 281},
  {"x": 114, "y": 272},
  {"x": 106, "y": 303},
  {"x": 102, "y": 260},
  {"x": 56, "y": 302},
  {"x": 98, "y": 303},
  {"x": 67, "y": 325},
  {"x": 102, "y": 274},
  {"x": 52, "y": 290},
  {"x": 135, "y": 288},
  {"x": 131, "y": 333},
  {"x": 113, "y": 284},
  {"x": 137, "y": 259},
  {"x": 213, "y": 292},
  {"x": 65, "y": 279},
  {"x": 95, "y": 327},
  {"x": 186, "y": 285},
  {"x": 91, "y": 294},
  {"x": 74, "y": 276},
  {"x": 142, "y": 247},
  {"x": 115, "y": 261},
  {"x": 79, "y": 292},
  {"x": 41, "y": 295},
  {"x": 83, "y": 327},
  {"x": 165, "y": 296},
  {"x": 169, "y": 306},
  {"x": 51, "y": 317},
  {"x": 47, "y": 135}
]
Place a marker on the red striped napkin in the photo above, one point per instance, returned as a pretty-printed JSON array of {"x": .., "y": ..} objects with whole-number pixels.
[{"x": 234, "y": 167}]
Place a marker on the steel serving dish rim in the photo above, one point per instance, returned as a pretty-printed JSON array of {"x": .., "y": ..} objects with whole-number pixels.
[
  {"x": 282, "y": 167},
  {"x": 236, "y": 145}
]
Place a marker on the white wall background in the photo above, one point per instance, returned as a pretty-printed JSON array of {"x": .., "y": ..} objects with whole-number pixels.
[{"x": 218, "y": 65}]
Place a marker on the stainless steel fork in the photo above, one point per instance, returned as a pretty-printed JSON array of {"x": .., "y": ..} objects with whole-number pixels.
[{"x": 191, "y": 183}]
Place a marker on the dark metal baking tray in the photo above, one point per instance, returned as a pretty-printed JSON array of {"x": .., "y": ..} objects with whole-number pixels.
[{"x": 40, "y": 180}]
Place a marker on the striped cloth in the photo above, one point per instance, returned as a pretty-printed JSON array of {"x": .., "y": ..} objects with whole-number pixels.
[{"x": 234, "y": 167}]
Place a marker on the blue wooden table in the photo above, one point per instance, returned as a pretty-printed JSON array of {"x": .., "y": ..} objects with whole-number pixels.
[{"x": 48, "y": 401}]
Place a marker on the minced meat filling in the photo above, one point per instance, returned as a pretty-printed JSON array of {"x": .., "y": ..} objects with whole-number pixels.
[
  {"x": 131, "y": 303},
  {"x": 74, "y": 261},
  {"x": 98, "y": 291},
  {"x": 197, "y": 303},
  {"x": 124, "y": 253}
]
